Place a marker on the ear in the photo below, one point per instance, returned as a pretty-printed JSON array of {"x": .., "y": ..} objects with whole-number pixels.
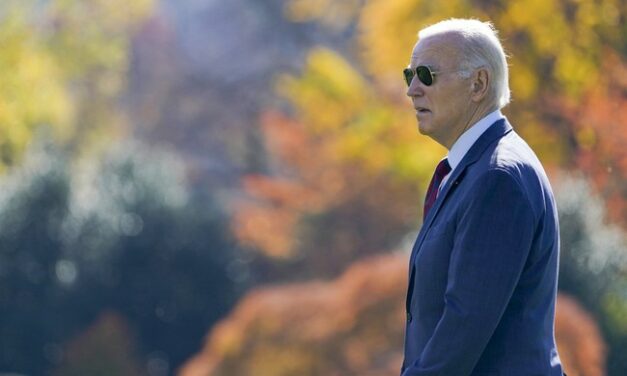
[{"x": 480, "y": 84}]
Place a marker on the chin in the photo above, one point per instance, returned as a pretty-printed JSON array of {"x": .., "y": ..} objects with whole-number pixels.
[{"x": 424, "y": 129}]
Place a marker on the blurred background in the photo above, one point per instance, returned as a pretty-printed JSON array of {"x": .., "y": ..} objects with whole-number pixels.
[{"x": 203, "y": 187}]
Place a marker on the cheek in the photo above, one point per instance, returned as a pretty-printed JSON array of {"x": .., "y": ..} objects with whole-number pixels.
[{"x": 451, "y": 102}]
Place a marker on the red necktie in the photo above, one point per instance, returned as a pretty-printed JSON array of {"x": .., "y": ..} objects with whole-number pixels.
[{"x": 432, "y": 193}]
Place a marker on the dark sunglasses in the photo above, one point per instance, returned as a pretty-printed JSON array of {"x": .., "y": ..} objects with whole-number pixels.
[{"x": 424, "y": 73}]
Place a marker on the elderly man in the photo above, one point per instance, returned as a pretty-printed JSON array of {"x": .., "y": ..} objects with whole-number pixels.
[{"x": 483, "y": 271}]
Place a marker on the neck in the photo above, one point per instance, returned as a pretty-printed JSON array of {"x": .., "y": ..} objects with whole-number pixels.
[{"x": 480, "y": 111}]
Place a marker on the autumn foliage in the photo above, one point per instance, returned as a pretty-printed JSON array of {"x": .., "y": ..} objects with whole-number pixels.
[
  {"x": 340, "y": 177},
  {"x": 352, "y": 325},
  {"x": 349, "y": 137},
  {"x": 598, "y": 124},
  {"x": 325, "y": 200},
  {"x": 107, "y": 347},
  {"x": 346, "y": 167},
  {"x": 579, "y": 340}
]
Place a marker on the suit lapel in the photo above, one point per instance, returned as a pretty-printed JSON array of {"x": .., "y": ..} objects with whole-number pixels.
[{"x": 494, "y": 132}]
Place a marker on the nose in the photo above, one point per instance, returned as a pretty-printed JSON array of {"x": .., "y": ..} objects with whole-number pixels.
[{"x": 415, "y": 88}]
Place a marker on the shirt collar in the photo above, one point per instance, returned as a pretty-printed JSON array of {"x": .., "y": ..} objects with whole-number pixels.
[{"x": 468, "y": 138}]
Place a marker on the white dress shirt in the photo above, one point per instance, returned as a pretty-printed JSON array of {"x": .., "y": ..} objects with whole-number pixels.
[{"x": 467, "y": 139}]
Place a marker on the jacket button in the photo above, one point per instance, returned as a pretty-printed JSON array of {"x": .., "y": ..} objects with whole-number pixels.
[{"x": 408, "y": 317}]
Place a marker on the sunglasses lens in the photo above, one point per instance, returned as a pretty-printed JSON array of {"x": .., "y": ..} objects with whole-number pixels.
[
  {"x": 424, "y": 75},
  {"x": 409, "y": 75}
]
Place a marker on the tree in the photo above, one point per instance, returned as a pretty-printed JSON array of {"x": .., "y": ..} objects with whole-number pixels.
[
  {"x": 90, "y": 43},
  {"x": 32, "y": 89},
  {"x": 339, "y": 176},
  {"x": 593, "y": 264},
  {"x": 596, "y": 120},
  {"x": 349, "y": 124},
  {"x": 120, "y": 233},
  {"x": 105, "y": 348},
  {"x": 63, "y": 65},
  {"x": 353, "y": 325}
]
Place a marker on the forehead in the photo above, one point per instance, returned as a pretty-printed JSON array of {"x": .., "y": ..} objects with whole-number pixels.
[{"x": 438, "y": 50}]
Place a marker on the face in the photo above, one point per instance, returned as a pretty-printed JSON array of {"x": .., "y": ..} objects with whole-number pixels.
[{"x": 444, "y": 108}]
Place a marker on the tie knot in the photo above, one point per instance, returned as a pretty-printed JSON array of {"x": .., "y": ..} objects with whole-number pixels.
[{"x": 442, "y": 169}]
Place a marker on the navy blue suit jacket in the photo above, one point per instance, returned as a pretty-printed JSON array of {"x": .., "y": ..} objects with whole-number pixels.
[{"x": 483, "y": 271}]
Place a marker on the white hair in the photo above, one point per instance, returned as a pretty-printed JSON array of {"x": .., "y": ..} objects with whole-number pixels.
[{"x": 480, "y": 47}]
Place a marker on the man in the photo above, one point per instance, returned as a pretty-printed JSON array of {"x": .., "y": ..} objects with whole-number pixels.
[{"x": 483, "y": 271}]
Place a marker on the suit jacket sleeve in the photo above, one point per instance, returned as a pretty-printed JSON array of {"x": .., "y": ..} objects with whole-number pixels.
[{"x": 494, "y": 233}]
